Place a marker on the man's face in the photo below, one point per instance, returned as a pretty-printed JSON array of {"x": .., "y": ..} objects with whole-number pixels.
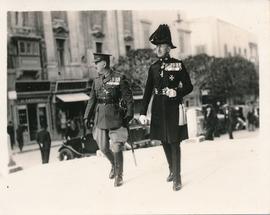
[
  {"x": 162, "y": 50},
  {"x": 100, "y": 67}
]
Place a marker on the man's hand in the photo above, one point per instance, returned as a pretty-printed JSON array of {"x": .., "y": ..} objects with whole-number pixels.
[
  {"x": 127, "y": 119},
  {"x": 171, "y": 93},
  {"x": 143, "y": 119}
]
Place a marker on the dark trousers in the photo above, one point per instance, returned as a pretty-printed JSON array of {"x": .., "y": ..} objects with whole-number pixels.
[
  {"x": 20, "y": 144},
  {"x": 230, "y": 130},
  {"x": 45, "y": 155},
  {"x": 173, "y": 156}
]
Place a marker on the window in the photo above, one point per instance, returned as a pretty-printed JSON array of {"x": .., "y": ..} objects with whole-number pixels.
[
  {"x": 225, "y": 50},
  {"x": 60, "y": 44},
  {"x": 239, "y": 51},
  {"x": 128, "y": 48},
  {"x": 28, "y": 47},
  {"x": 98, "y": 47},
  {"x": 127, "y": 19},
  {"x": 16, "y": 18},
  {"x": 245, "y": 52},
  {"x": 200, "y": 49},
  {"x": 25, "y": 18},
  {"x": 182, "y": 43},
  {"x": 146, "y": 33}
]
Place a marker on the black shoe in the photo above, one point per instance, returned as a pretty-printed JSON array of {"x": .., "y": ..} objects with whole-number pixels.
[
  {"x": 118, "y": 181},
  {"x": 177, "y": 186},
  {"x": 170, "y": 177},
  {"x": 112, "y": 173}
]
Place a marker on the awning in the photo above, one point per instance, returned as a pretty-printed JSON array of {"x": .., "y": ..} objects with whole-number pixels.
[{"x": 73, "y": 97}]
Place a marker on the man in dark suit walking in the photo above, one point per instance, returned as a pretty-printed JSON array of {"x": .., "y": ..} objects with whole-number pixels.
[
  {"x": 44, "y": 142},
  {"x": 108, "y": 91},
  {"x": 170, "y": 82}
]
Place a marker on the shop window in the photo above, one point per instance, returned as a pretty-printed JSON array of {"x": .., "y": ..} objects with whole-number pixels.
[
  {"x": 22, "y": 114},
  {"x": 42, "y": 115}
]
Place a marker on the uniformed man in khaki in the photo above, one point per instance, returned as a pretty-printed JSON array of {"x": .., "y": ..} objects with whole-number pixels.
[
  {"x": 109, "y": 90},
  {"x": 169, "y": 81}
]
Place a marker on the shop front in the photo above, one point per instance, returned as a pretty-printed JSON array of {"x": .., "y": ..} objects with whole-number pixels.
[
  {"x": 32, "y": 108},
  {"x": 69, "y": 102}
]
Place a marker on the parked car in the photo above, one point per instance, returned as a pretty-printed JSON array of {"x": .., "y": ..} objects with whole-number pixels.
[
  {"x": 78, "y": 147},
  {"x": 86, "y": 145}
]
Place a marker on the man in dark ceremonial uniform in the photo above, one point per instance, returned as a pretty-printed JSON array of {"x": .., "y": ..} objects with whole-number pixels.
[
  {"x": 109, "y": 90},
  {"x": 170, "y": 82}
]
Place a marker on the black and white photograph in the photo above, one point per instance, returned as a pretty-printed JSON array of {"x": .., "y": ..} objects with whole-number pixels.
[{"x": 135, "y": 108}]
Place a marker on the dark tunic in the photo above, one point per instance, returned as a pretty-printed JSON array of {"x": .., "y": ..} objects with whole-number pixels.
[{"x": 171, "y": 73}]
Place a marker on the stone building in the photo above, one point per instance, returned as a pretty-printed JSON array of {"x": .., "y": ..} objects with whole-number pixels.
[{"x": 50, "y": 62}]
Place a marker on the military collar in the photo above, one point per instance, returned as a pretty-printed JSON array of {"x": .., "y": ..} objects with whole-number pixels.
[
  {"x": 108, "y": 77},
  {"x": 165, "y": 59}
]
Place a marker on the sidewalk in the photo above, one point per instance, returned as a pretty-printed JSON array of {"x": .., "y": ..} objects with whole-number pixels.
[
  {"x": 34, "y": 147},
  {"x": 237, "y": 135},
  {"x": 223, "y": 176}
]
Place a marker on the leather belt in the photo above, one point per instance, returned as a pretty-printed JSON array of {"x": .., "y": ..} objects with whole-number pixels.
[
  {"x": 160, "y": 91},
  {"x": 107, "y": 101}
]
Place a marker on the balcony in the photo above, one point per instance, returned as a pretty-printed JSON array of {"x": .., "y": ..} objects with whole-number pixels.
[{"x": 24, "y": 32}]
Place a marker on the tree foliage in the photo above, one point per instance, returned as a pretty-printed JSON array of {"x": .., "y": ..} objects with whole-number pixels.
[
  {"x": 136, "y": 65},
  {"x": 229, "y": 77}
]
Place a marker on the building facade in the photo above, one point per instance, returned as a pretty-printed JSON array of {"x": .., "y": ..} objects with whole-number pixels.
[
  {"x": 50, "y": 68},
  {"x": 50, "y": 57},
  {"x": 218, "y": 38}
]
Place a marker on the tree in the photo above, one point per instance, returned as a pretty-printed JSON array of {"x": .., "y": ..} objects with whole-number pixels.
[
  {"x": 234, "y": 77},
  {"x": 231, "y": 77},
  {"x": 136, "y": 65}
]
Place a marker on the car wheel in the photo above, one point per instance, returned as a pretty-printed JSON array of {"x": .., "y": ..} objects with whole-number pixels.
[{"x": 66, "y": 154}]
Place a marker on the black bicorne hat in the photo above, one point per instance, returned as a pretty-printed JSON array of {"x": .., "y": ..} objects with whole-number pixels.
[{"x": 162, "y": 36}]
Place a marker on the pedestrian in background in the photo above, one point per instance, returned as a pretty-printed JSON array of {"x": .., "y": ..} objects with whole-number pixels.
[
  {"x": 229, "y": 120},
  {"x": 10, "y": 131},
  {"x": 210, "y": 122},
  {"x": 72, "y": 130},
  {"x": 19, "y": 136},
  {"x": 251, "y": 119},
  {"x": 108, "y": 91},
  {"x": 44, "y": 142},
  {"x": 170, "y": 82}
]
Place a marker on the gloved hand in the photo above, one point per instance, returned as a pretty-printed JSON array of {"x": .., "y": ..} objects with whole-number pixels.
[
  {"x": 171, "y": 93},
  {"x": 143, "y": 119}
]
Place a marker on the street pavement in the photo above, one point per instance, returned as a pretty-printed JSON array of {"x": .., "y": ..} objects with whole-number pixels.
[{"x": 221, "y": 176}]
